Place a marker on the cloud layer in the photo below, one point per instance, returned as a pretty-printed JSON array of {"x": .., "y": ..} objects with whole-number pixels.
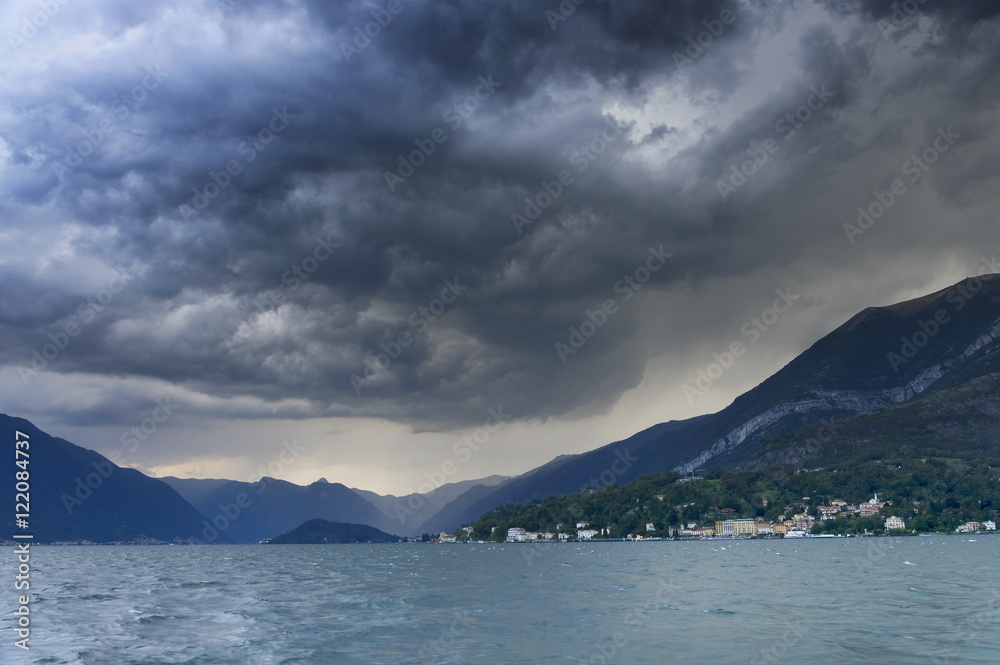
[{"x": 398, "y": 211}]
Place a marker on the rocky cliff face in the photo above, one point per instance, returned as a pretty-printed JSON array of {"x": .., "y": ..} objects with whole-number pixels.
[
  {"x": 967, "y": 415},
  {"x": 851, "y": 401}
]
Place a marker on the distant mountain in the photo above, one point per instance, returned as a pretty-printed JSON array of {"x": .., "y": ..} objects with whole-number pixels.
[
  {"x": 469, "y": 505},
  {"x": 194, "y": 490},
  {"x": 282, "y": 505},
  {"x": 880, "y": 357},
  {"x": 862, "y": 378},
  {"x": 248, "y": 512},
  {"x": 613, "y": 464},
  {"x": 457, "y": 511},
  {"x": 322, "y": 532},
  {"x": 76, "y": 494},
  {"x": 408, "y": 514}
]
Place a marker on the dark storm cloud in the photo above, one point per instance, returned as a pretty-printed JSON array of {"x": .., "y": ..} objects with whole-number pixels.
[
  {"x": 292, "y": 271},
  {"x": 951, "y": 17}
]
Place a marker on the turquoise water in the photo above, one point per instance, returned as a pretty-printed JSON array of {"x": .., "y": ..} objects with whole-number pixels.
[{"x": 874, "y": 600}]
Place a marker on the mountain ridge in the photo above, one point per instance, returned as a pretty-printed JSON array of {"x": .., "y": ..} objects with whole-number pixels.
[
  {"x": 879, "y": 359},
  {"x": 214, "y": 497},
  {"x": 78, "y": 495},
  {"x": 844, "y": 372}
]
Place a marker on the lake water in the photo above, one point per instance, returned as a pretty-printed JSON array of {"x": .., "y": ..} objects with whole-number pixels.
[{"x": 873, "y": 600}]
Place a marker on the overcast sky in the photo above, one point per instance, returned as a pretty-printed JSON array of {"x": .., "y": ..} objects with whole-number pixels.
[{"x": 362, "y": 226}]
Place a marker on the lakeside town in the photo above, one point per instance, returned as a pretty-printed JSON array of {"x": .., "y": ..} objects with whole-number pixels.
[{"x": 789, "y": 525}]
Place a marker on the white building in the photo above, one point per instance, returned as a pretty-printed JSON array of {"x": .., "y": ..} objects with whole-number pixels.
[
  {"x": 894, "y": 523},
  {"x": 650, "y": 526},
  {"x": 516, "y": 535},
  {"x": 990, "y": 525},
  {"x": 582, "y": 525},
  {"x": 586, "y": 534}
]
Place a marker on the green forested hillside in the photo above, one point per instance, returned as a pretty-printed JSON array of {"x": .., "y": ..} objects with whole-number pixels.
[
  {"x": 933, "y": 495},
  {"x": 936, "y": 458},
  {"x": 961, "y": 419}
]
